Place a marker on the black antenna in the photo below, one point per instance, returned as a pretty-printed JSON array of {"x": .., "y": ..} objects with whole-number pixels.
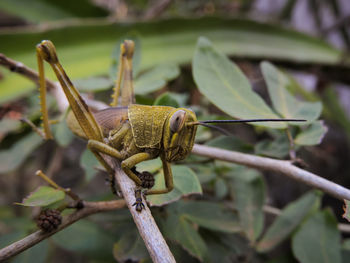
[{"x": 248, "y": 120}]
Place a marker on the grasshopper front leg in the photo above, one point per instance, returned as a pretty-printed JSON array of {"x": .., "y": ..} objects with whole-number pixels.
[
  {"x": 127, "y": 165},
  {"x": 168, "y": 179}
]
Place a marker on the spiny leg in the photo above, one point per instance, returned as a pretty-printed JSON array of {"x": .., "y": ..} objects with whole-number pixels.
[
  {"x": 125, "y": 73},
  {"x": 168, "y": 178},
  {"x": 130, "y": 162},
  {"x": 97, "y": 148},
  {"x": 42, "y": 92},
  {"x": 127, "y": 166},
  {"x": 118, "y": 82},
  {"x": 46, "y": 51}
]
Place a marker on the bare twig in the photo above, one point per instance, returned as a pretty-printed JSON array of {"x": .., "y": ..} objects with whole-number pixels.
[
  {"x": 155, "y": 10},
  {"x": 68, "y": 191},
  {"x": 283, "y": 167},
  {"x": 20, "y": 68},
  {"x": 148, "y": 229},
  {"x": 345, "y": 228},
  {"x": 29, "y": 241},
  {"x": 339, "y": 22}
]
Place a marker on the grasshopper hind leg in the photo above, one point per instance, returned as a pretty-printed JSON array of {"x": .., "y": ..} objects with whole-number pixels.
[{"x": 124, "y": 73}]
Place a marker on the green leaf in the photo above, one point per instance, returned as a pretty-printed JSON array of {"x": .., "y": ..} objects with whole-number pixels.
[
  {"x": 224, "y": 84},
  {"x": 151, "y": 166},
  {"x": 130, "y": 247},
  {"x": 290, "y": 217},
  {"x": 166, "y": 99},
  {"x": 221, "y": 188},
  {"x": 218, "y": 251},
  {"x": 230, "y": 143},
  {"x": 278, "y": 148},
  {"x": 177, "y": 228},
  {"x": 210, "y": 215},
  {"x": 346, "y": 244},
  {"x": 205, "y": 172},
  {"x": 38, "y": 254},
  {"x": 156, "y": 78},
  {"x": 43, "y": 10},
  {"x": 334, "y": 110},
  {"x": 8, "y": 125},
  {"x": 9, "y": 238},
  {"x": 346, "y": 250},
  {"x": 84, "y": 47},
  {"x": 185, "y": 183},
  {"x": 89, "y": 163},
  {"x": 43, "y": 196},
  {"x": 180, "y": 254},
  {"x": 93, "y": 84},
  {"x": 17, "y": 154},
  {"x": 283, "y": 102},
  {"x": 227, "y": 248},
  {"x": 86, "y": 238},
  {"x": 62, "y": 133},
  {"x": 313, "y": 135},
  {"x": 248, "y": 191},
  {"x": 346, "y": 208},
  {"x": 318, "y": 239},
  {"x": 203, "y": 134}
]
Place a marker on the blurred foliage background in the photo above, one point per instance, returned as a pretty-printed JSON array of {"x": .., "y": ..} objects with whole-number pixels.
[{"x": 243, "y": 215}]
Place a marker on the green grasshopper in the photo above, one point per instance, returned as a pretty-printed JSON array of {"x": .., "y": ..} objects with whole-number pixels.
[{"x": 129, "y": 132}]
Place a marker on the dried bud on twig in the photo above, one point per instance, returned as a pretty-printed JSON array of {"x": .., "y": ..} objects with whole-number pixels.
[
  {"x": 147, "y": 179},
  {"x": 49, "y": 220}
]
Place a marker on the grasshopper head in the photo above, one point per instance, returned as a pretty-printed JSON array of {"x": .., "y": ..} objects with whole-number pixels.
[{"x": 178, "y": 138}]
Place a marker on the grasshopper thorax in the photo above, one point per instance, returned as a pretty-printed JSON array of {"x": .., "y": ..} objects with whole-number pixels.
[{"x": 178, "y": 136}]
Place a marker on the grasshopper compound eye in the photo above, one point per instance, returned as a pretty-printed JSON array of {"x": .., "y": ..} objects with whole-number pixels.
[{"x": 177, "y": 120}]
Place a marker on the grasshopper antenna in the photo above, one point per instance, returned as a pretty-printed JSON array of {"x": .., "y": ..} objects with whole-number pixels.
[
  {"x": 249, "y": 120},
  {"x": 204, "y": 123}
]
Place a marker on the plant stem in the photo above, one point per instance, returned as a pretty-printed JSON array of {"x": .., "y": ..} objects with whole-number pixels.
[
  {"x": 68, "y": 191},
  {"x": 280, "y": 166},
  {"x": 36, "y": 237},
  {"x": 148, "y": 229}
]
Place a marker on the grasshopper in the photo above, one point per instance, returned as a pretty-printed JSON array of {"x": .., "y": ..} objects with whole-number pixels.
[{"x": 126, "y": 131}]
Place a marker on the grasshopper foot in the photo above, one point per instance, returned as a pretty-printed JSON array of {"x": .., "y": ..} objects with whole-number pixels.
[{"x": 138, "y": 204}]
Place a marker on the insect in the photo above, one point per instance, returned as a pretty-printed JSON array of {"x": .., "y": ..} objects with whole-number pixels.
[{"x": 129, "y": 132}]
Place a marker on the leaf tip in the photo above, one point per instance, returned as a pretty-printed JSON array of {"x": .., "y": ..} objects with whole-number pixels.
[{"x": 203, "y": 42}]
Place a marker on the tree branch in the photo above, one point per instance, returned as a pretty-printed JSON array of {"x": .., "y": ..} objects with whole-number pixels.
[
  {"x": 148, "y": 229},
  {"x": 38, "y": 236},
  {"x": 283, "y": 167},
  {"x": 155, "y": 10},
  {"x": 20, "y": 68}
]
